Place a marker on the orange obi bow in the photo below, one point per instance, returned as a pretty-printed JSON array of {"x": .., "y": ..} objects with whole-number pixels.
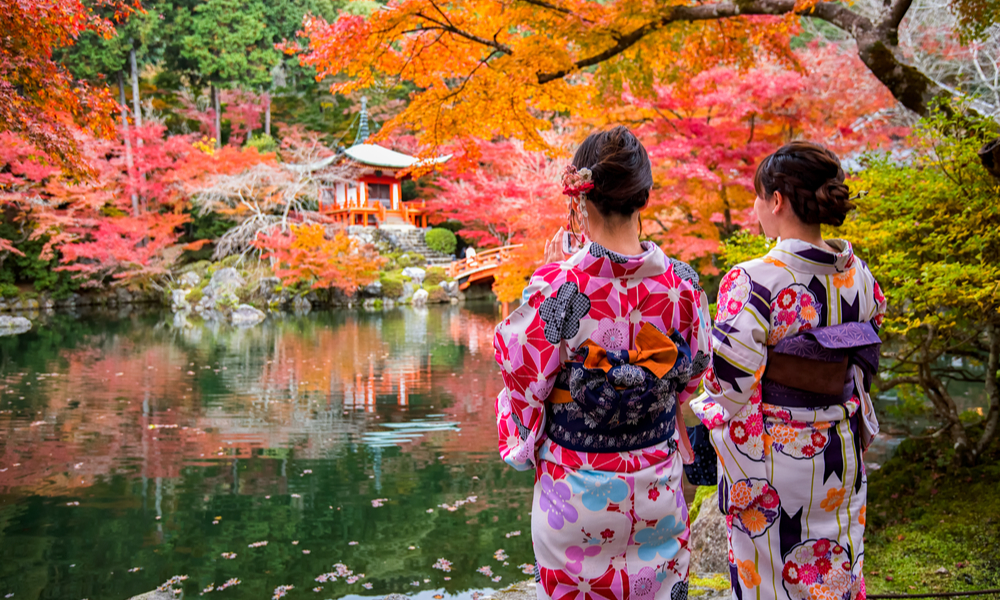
[{"x": 653, "y": 351}]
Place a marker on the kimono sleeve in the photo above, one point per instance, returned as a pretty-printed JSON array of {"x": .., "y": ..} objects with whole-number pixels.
[
  {"x": 529, "y": 364},
  {"x": 739, "y": 348},
  {"x": 699, "y": 339}
]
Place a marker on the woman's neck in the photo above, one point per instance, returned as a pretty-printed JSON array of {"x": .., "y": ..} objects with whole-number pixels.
[
  {"x": 809, "y": 234},
  {"x": 618, "y": 234}
]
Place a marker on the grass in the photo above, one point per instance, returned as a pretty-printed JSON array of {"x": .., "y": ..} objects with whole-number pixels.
[{"x": 933, "y": 527}]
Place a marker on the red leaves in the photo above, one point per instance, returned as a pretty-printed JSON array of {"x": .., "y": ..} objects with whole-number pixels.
[
  {"x": 706, "y": 137},
  {"x": 123, "y": 247},
  {"x": 513, "y": 195}
]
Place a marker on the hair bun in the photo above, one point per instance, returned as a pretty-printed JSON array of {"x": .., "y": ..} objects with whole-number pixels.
[
  {"x": 622, "y": 173},
  {"x": 833, "y": 200},
  {"x": 811, "y": 178}
]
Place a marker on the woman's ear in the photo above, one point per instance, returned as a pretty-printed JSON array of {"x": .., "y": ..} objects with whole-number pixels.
[{"x": 780, "y": 202}]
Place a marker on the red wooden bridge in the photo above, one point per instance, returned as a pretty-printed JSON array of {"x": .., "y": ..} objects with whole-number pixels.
[{"x": 481, "y": 267}]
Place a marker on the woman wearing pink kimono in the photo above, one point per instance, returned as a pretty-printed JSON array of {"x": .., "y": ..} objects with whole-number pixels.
[
  {"x": 789, "y": 410},
  {"x": 611, "y": 341}
]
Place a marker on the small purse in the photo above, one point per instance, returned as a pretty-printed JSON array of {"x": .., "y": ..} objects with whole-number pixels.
[{"x": 704, "y": 470}]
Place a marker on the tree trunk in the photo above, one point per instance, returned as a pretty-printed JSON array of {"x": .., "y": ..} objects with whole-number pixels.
[
  {"x": 947, "y": 412},
  {"x": 136, "y": 106},
  {"x": 992, "y": 392},
  {"x": 267, "y": 116},
  {"x": 218, "y": 116},
  {"x": 128, "y": 143}
]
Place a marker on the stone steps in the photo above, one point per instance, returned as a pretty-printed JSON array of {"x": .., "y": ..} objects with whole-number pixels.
[{"x": 413, "y": 241}]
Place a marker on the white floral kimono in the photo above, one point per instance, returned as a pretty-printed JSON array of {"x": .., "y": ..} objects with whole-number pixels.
[{"x": 792, "y": 481}]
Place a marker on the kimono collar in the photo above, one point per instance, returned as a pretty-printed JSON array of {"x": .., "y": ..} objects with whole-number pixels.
[
  {"x": 804, "y": 257},
  {"x": 596, "y": 260}
]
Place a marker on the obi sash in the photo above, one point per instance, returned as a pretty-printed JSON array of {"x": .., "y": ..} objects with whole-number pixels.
[
  {"x": 620, "y": 400},
  {"x": 814, "y": 368}
]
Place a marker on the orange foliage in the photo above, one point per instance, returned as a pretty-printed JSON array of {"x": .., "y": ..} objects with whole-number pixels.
[
  {"x": 500, "y": 68},
  {"x": 308, "y": 256},
  {"x": 39, "y": 99},
  {"x": 514, "y": 273}
]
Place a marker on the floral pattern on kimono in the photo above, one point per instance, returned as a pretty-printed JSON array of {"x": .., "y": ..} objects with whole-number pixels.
[
  {"x": 605, "y": 524},
  {"x": 792, "y": 482}
]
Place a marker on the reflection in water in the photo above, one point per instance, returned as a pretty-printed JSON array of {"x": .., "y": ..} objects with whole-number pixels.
[{"x": 131, "y": 451}]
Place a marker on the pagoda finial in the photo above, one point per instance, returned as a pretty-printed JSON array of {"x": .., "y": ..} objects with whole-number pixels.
[{"x": 363, "y": 125}]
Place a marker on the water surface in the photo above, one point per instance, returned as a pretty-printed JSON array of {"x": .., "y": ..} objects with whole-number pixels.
[{"x": 131, "y": 452}]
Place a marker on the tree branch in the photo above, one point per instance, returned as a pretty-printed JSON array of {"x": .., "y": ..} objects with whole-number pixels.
[
  {"x": 897, "y": 11},
  {"x": 877, "y": 45},
  {"x": 503, "y": 48}
]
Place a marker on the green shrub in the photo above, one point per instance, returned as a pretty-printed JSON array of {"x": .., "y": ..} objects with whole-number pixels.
[
  {"x": 31, "y": 268},
  {"x": 410, "y": 259},
  {"x": 436, "y": 295},
  {"x": 392, "y": 284},
  {"x": 435, "y": 275},
  {"x": 8, "y": 290},
  {"x": 440, "y": 239},
  {"x": 263, "y": 143}
]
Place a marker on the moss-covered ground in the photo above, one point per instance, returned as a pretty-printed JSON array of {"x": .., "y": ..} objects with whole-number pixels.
[{"x": 932, "y": 526}]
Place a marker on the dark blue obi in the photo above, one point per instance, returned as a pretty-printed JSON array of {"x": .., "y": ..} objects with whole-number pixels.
[
  {"x": 620, "y": 400},
  {"x": 813, "y": 368}
]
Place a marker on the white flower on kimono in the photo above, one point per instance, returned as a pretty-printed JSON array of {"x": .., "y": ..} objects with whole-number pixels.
[
  {"x": 629, "y": 376},
  {"x": 661, "y": 539},
  {"x": 644, "y": 584},
  {"x": 554, "y": 501},
  {"x": 598, "y": 488},
  {"x": 734, "y": 293}
]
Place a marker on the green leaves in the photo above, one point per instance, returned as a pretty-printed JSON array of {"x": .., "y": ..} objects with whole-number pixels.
[
  {"x": 227, "y": 41},
  {"x": 930, "y": 229}
]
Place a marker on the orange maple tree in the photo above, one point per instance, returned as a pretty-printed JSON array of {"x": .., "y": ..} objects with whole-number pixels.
[
  {"x": 484, "y": 69},
  {"x": 39, "y": 99},
  {"x": 306, "y": 255}
]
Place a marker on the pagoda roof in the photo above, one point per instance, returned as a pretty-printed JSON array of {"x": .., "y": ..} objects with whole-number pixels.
[{"x": 377, "y": 156}]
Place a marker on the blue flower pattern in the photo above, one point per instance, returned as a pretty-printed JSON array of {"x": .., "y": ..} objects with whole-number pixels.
[
  {"x": 661, "y": 539},
  {"x": 598, "y": 488}
]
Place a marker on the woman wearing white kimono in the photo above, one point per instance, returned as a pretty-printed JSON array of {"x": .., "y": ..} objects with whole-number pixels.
[{"x": 788, "y": 404}]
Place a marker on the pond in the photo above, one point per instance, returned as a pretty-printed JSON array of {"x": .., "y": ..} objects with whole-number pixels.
[
  {"x": 349, "y": 447},
  {"x": 307, "y": 447}
]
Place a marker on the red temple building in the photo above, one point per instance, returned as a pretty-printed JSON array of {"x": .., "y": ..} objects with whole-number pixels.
[{"x": 376, "y": 198}]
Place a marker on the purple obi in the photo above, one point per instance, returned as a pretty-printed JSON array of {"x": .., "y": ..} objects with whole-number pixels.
[{"x": 813, "y": 368}]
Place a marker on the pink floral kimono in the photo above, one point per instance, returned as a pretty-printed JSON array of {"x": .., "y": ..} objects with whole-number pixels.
[
  {"x": 596, "y": 365},
  {"x": 793, "y": 483}
]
